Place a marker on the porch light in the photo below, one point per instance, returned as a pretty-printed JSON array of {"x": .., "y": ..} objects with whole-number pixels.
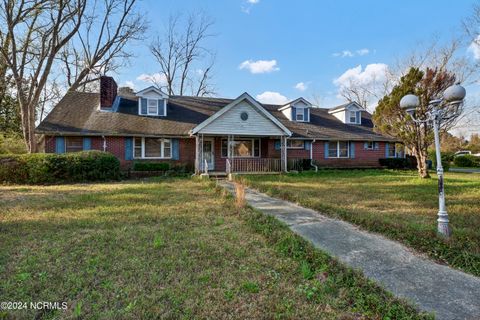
[{"x": 409, "y": 103}]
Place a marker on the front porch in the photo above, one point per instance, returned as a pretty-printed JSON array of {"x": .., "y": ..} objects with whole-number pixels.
[{"x": 241, "y": 154}]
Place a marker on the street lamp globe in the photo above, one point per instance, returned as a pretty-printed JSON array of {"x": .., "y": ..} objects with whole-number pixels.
[
  {"x": 454, "y": 93},
  {"x": 409, "y": 103}
]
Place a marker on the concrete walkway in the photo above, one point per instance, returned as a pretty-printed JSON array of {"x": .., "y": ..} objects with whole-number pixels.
[{"x": 449, "y": 293}]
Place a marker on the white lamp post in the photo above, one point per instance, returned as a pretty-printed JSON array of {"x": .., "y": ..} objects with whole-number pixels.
[{"x": 441, "y": 109}]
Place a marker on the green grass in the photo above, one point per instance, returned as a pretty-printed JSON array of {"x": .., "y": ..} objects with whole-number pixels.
[
  {"x": 397, "y": 204},
  {"x": 168, "y": 248}
]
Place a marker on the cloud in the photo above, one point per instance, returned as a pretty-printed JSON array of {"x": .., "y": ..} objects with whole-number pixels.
[
  {"x": 373, "y": 73},
  {"x": 248, "y": 5},
  {"x": 158, "y": 79},
  {"x": 259, "y": 66},
  {"x": 301, "y": 86},
  {"x": 350, "y": 54},
  {"x": 271, "y": 97},
  {"x": 253, "y": 1},
  {"x": 474, "y": 48},
  {"x": 129, "y": 84}
]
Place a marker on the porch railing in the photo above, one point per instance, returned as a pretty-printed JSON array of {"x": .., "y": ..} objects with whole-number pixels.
[{"x": 255, "y": 165}]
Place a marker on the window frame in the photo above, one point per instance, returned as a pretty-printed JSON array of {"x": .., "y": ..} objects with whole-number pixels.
[
  {"x": 350, "y": 116},
  {"x": 300, "y": 113},
  {"x": 66, "y": 144},
  {"x": 298, "y": 148},
  {"x": 222, "y": 155},
  {"x": 148, "y": 107},
  {"x": 394, "y": 145},
  {"x": 338, "y": 149},
  {"x": 162, "y": 148},
  {"x": 368, "y": 148}
]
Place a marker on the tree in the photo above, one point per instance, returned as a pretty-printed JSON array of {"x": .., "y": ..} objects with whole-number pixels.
[
  {"x": 451, "y": 143},
  {"x": 390, "y": 119},
  {"x": 180, "y": 52},
  {"x": 37, "y": 35},
  {"x": 474, "y": 143},
  {"x": 10, "y": 123}
]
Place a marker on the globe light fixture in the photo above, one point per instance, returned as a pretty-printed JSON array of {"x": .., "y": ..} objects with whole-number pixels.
[{"x": 439, "y": 110}]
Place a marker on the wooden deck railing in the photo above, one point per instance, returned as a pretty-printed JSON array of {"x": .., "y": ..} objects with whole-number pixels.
[{"x": 255, "y": 165}]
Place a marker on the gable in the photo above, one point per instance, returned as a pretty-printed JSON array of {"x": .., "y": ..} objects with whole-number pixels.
[{"x": 231, "y": 122}]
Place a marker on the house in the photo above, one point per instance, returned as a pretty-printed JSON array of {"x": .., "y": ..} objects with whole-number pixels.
[{"x": 214, "y": 134}]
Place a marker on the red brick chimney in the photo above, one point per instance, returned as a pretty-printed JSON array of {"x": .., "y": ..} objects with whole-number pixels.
[{"x": 108, "y": 92}]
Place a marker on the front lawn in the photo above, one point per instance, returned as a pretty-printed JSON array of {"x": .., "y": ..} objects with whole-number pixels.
[
  {"x": 397, "y": 204},
  {"x": 168, "y": 248}
]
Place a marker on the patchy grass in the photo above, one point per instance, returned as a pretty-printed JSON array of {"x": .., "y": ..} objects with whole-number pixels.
[
  {"x": 168, "y": 248},
  {"x": 397, "y": 204}
]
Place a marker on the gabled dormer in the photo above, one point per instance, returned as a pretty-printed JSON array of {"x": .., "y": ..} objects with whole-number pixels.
[
  {"x": 297, "y": 110},
  {"x": 349, "y": 113},
  {"x": 152, "y": 102}
]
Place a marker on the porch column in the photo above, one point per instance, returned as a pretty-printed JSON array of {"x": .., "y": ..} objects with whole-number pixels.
[
  {"x": 202, "y": 158},
  {"x": 197, "y": 154},
  {"x": 283, "y": 153}
]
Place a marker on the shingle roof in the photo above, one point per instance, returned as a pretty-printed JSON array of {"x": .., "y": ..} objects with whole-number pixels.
[{"x": 77, "y": 114}]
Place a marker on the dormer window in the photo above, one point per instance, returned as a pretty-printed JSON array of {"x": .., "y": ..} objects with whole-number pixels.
[
  {"x": 300, "y": 112},
  {"x": 353, "y": 116},
  {"x": 152, "y": 102},
  {"x": 152, "y": 106}
]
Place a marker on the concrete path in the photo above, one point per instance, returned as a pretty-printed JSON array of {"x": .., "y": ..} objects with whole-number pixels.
[
  {"x": 449, "y": 293},
  {"x": 464, "y": 170}
]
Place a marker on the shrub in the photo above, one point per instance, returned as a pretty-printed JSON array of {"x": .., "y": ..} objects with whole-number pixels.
[
  {"x": 151, "y": 166},
  {"x": 12, "y": 144},
  {"x": 399, "y": 163},
  {"x": 447, "y": 158},
  {"x": 466, "y": 161},
  {"x": 68, "y": 167}
]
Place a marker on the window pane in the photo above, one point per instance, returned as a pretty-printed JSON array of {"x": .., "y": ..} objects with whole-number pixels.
[
  {"x": 242, "y": 148},
  {"x": 74, "y": 144},
  {"x": 332, "y": 149},
  {"x": 369, "y": 145},
  {"x": 343, "y": 149},
  {"x": 299, "y": 114},
  {"x": 167, "y": 148},
  {"x": 295, "y": 144},
  {"x": 353, "y": 116},
  {"x": 153, "y": 147},
  {"x": 391, "y": 152},
  {"x": 137, "y": 142},
  {"x": 152, "y": 106}
]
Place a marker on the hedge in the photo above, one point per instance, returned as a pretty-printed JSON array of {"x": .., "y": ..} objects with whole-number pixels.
[
  {"x": 467, "y": 161},
  {"x": 151, "y": 166},
  {"x": 447, "y": 157},
  {"x": 54, "y": 168}
]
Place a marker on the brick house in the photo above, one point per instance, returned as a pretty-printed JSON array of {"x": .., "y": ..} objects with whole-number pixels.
[{"x": 214, "y": 134}]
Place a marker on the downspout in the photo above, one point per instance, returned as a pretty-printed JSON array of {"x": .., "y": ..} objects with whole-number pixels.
[
  {"x": 311, "y": 156},
  {"x": 104, "y": 144}
]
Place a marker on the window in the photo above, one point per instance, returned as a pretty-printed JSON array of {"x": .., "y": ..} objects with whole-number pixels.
[
  {"x": 392, "y": 151},
  {"x": 73, "y": 144},
  {"x": 152, "y": 106},
  {"x": 353, "y": 117},
  {"x": 338, "y": 149},
  {"x": 299, "y": 114},
  {"x": 242, "y": 148},
  {"x": 154, "y": 148},
  {"x": 295, "y": 144},
  {"x": 369, "y": 145}
]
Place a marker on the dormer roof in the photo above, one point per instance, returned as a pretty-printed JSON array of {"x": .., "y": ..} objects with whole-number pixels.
[
  {"x": 293, "y": 102},
  {"x": 151, "y": 89}
]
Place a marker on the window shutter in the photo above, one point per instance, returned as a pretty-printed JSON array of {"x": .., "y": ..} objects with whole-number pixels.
[
  {"x": 161, "y": 111},
  {"x": 359, "y": 117},
  {"x": 294, "y": 114},
  {"x": 387, "y": 147},
  {"x": 175, "y": 149},
  {"x": 308, "y": 145},
  {"x": 352, "y": 149},
  {"x": 306, "y": 115},
  {"x": 143, "y": 106},
  {"x": 128, "y": 149},
  {"x": 87, "y": 143},
  {"x": 365, "y": 145},
  {"x": 277, "y": 145},
  {"x": 326, "y": 149},
  {"x": 59, "y": 145}
]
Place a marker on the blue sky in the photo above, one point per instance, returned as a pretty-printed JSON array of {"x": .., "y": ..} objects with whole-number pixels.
[{"x": 311, "y": 42}]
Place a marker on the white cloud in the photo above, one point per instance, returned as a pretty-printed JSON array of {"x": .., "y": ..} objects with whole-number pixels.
[
  {"x": 301, "y": 86},
  {"x": 248, "y": 5},
  {"x": 271, "y": 97},
  {"x": 350, "y": 54},
  {"x": 129, "y": 84},
  {"x": 373, "y": 73},
  {"x": 259, "y": 66},
  {"x": 363, "y": 52},
  {"x": 474, "y": 48},
  {"x": 158, "y": 79},
  {"x": 253, "y": 1}
]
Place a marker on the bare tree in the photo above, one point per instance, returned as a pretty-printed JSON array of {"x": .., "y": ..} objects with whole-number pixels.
[
  {"x": 107, "y": 28},
  {"x": 180, "y": 51},
  {"x": 37, "y": 31}
]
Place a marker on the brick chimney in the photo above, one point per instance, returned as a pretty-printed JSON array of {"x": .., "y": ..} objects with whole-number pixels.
[{"x": 108, "y": 92}]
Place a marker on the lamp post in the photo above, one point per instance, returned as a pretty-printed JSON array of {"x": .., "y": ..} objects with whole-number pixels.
[{"x": 441, "y": 110}]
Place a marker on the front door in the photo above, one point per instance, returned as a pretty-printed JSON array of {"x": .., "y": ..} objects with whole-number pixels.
[{"x": 208, "y": 154}]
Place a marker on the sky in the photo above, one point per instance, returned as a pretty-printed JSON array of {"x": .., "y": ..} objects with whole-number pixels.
[{"x": 280, "y": 50}]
